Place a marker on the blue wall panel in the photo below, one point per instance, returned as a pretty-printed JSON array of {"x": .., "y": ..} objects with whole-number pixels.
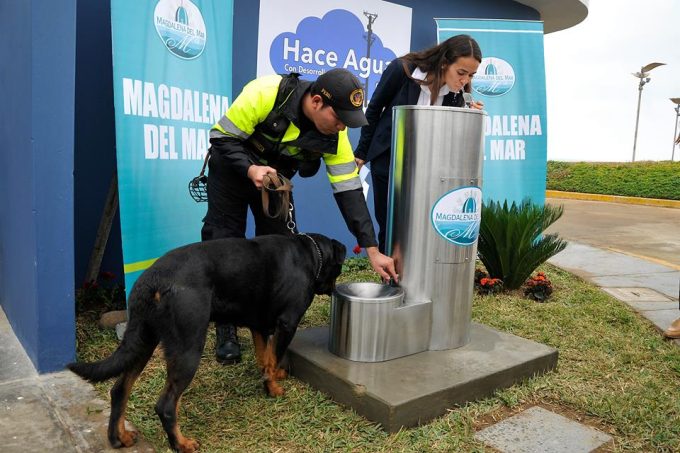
[
  {"x": 17, "y": 229},
  {"x": 54, "y": 40},
  {"x": 36, "y": 227}
]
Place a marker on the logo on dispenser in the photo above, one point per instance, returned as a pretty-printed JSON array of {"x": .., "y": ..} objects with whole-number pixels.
[{"x": 457, "y": 214}]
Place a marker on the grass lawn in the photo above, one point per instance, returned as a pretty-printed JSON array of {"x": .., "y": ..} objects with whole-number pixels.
[{"x": 615, "y": 372}]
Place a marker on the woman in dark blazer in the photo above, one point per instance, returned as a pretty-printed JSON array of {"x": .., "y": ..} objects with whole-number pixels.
[{"x": 436, "y": 76}]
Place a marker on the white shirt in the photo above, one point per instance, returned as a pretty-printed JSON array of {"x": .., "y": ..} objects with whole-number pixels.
[{"x": 424, "y": 98}]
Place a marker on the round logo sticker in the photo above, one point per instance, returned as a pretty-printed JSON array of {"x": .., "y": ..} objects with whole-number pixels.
[
  {"x": 494, "y": 77},
  {"x": 457, "y": 214},
  {"x": 180, "y": 25}
]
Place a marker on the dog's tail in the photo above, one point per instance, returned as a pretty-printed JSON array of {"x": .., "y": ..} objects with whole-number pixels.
[
  {"x": 138, "y": 343},
  {"x": 130, "y": 351}
]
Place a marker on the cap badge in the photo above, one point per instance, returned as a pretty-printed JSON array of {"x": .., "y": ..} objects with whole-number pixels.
[{"x": 357, "y": 97}]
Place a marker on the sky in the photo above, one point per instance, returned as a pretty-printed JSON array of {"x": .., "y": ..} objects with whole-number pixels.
[{"x": 591, "y": 94}]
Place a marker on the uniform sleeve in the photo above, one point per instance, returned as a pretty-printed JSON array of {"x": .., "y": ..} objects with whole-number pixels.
[
  {"x": 231, "y": 152},
  {"x": 248, "y": 110},
  {"x": 354, "y": 210},
  {"x": 389, "y": 85},
  {"x": 341, "y": 169},
  {"x": 343, "y": 174}
]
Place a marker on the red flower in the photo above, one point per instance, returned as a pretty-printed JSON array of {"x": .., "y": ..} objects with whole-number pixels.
[
  {"x": 484, "y": 281},
  {"x": 356, "y": 249},
  {"x": 106, "y": 275},
  {"x": 90, "y": 285}
]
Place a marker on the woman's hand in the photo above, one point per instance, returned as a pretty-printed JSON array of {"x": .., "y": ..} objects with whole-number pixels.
[
  {"x": 479, "y": 105},
  {"x": 360, "y": 162}
]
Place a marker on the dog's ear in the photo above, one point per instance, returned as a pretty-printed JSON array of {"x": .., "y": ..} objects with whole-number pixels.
[{"x": 339, "y": 252}]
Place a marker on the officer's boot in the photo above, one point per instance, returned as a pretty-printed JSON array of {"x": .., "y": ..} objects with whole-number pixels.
[{"x": 227, "y": 349}]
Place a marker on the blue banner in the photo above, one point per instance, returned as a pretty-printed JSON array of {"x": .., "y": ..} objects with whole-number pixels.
[
  {"x": 511, "y": 83},
  {"x": 172, "y": 71}
]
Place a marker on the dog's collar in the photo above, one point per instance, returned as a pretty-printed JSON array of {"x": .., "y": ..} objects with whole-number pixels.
[{"x": 318, "y": 252}]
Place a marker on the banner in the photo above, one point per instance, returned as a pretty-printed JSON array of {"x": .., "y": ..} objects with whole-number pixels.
[
  {"x": 312, "y": 37},
  {"x": 511, "y": 83},
  {"x": 172, "y": 82}
]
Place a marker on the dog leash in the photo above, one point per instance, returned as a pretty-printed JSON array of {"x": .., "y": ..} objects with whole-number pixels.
[
  {"x": 274, "y": 182},
  {"x": 318, "y": 252}
]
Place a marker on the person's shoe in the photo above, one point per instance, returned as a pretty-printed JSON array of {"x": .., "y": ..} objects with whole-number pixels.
[
  {"x": 673, "y": 330},
  {"x": 227, "y": 348}
]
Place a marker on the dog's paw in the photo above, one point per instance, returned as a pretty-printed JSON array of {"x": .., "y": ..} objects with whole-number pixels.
[
  {"x": 188, "y": 446},
  {"x": 281, "y": 374},
  {"x": 274, "y": 389},
  {"x": 128, "y": 438}
]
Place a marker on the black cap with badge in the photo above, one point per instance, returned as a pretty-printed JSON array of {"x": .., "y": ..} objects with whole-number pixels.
[{"x": 340, "y": 89}]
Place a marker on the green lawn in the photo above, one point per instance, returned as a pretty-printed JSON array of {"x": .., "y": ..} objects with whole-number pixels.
[
  {"x": 615, "y": 372},
  {"x": 638, "y": 179}
]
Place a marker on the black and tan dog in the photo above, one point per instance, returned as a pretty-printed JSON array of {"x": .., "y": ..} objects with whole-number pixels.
[{"x": 265, "y": 284}]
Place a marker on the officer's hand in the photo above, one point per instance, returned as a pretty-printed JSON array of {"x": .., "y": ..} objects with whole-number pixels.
[
  {"x": 360, "y": 162},
  {"x": 257, "y": 172},
  {"x": 382, "y": 264}
]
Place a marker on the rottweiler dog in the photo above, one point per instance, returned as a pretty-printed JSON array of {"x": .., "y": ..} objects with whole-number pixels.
[{"x": 265, "y": 284}]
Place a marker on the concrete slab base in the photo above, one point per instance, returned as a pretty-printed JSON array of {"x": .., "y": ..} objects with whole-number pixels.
[{"x": 415, "y": 389}]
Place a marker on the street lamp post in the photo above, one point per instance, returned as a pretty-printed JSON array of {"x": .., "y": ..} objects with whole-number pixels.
[
  {"x": 643, "y": 75},
  {"x": 676, "y": 139},
  {"x": 369, "y": 42}
]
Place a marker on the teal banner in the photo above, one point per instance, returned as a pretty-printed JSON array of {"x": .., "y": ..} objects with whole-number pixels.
[
  {"x": 511, "y": 83},
  {"x": 172, "y": 70}
]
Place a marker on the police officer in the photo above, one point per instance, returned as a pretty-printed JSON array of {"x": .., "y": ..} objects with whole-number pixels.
[{"x": 287, "y": 125}]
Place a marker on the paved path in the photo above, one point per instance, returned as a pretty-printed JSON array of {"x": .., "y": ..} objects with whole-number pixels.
[
  {"x": 631, "y": 251},
  {"x": 56, "y": 412},
  {"x": 648, "y": 232}
]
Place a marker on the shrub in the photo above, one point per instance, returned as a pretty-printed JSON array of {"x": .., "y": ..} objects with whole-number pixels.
[
  {"x": 356, "y": 264},
  {"x": 511, "y": 244},
  {"x": 634, "y": 179}
]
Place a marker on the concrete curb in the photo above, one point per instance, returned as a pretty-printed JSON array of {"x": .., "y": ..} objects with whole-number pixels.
[{"x": 613, "y": 199}]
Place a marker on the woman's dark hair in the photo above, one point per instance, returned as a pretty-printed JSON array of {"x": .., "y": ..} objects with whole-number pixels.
[{"x": 435, "y": 60}]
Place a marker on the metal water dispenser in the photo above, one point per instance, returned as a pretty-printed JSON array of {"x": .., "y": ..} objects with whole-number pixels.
[{"x": 434, "y": 215}]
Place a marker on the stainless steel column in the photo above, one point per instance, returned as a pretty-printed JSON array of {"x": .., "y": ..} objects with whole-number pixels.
[{"x": 434, "y": 212}]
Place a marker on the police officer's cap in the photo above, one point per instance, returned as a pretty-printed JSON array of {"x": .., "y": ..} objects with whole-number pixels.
[{"x": 340, "y": 89}]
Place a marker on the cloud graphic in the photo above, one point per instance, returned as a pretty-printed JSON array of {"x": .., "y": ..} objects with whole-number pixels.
[{"x": 337, "y": 40}]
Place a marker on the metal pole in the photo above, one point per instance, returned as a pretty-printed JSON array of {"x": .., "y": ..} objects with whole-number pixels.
[
  {"x": 637, "y": 118},
  {"x": 675, "y": 133},
  {"x": 369, "y": 42}
]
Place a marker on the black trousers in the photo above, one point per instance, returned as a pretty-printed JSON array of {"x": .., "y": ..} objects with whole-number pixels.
[
  {"x": 229, "y": 197},
  {"x": 380, "y": 175}
]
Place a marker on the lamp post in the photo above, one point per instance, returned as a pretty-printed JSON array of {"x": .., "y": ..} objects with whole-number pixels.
[
  {"x": 643, "y": 75},
  {"x": 676, "y": 139},
  {"x": 369, "y": 42}
]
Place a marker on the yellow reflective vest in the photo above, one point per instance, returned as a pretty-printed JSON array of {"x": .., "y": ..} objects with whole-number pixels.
[{"x": 253, "y": 106}]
